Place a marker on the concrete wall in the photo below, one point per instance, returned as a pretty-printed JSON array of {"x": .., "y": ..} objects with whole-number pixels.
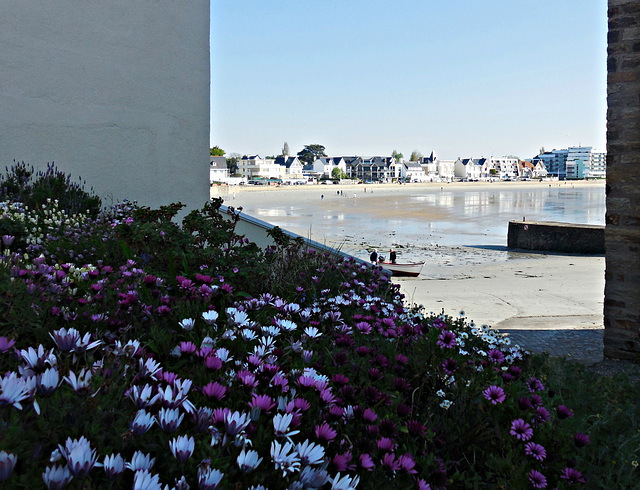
[
  {"x": 622, "y": 286},
  {"x": 556, "y": 237},
  {"x": 115, "y": 91},
  {"x": 256, "y": 231}
]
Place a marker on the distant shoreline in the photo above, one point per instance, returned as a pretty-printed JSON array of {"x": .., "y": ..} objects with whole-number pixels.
[{"x": 224, "y": 189}]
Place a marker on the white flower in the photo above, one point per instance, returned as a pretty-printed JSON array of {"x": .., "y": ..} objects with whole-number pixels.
[
  {"x": 440, "y": 393},
  {"x": 169, "y": 419},
  {"x": 236, "y": 422},
  {"x": 310, "y": 453},
  {"x": 209, "y": 479},
  {"x": 182, "y": 447},
  {"x": 141, "y": 461},
  {"x": 248, "y": 335},
  {"x": 210, "y": 317},
  {"x": 13, "y": 390},
  {"x": 281, "y": 424},
  {"x": 80, "y": 382},
  {"x": 142, "y": 422},
  {"x": 56, "y": 476},
  {"x": 312, "y": 332},
  {"x": 284, "y": 458},
  {"x": 187, "y": 324},
  {"x": 248, "y": 460},
  {"x": 7, "y": 462},
  {"x": 144, "y": 480},
  {"x": 79, "y": 455},
  {"x": 113, "y": 465},
  {"x": 446, "y": 404},
  {"x": 344, "y": 483}
]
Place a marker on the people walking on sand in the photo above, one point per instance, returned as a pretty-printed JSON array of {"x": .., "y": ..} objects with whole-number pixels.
[
  {"x": 322, "y": 197},
  {"x": 392, "y": 256},
  {"x": 374, "y": 257}
]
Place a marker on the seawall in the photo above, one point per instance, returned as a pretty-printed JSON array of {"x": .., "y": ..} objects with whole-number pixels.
[{"x": 556, "y": 237}]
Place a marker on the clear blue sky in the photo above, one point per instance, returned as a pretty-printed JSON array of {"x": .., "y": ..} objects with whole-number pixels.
[{"x": 464, "y": 78}]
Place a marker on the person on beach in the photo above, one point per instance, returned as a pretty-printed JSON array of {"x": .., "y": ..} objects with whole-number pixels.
[
  {"x": 374, "y": 257},
  {"x": 322, "y": 197},
  {"x": 392, "y": 256}
]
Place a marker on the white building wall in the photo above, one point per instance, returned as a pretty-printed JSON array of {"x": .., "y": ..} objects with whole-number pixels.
[{"x": 115, "y": 91}]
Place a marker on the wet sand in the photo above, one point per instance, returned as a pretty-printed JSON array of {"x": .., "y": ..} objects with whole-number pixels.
[{"x": 474, "y": 273}]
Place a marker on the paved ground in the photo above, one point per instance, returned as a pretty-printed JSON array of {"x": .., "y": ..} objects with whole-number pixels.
[
  {"x": 582, "y": 345},
  {"x": 578, "y": 337}
]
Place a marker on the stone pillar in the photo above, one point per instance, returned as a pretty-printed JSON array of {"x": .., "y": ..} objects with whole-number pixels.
[{"x": 622, "y": 235}]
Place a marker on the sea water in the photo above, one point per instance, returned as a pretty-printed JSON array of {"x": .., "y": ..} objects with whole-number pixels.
[{"x": 447, "y": 218}]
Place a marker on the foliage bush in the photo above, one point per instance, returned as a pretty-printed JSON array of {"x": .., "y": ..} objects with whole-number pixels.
[{"x": 138, "y": 352}]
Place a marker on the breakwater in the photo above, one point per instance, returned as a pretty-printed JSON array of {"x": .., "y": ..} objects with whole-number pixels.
[{"x": 556, "y": 237}]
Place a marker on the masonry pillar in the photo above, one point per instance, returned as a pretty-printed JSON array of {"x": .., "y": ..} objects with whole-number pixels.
[{"x": 622, "y": 235}]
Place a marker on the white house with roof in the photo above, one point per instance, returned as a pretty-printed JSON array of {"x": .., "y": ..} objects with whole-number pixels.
[
  {"x": 218, "y": 170},
  {"x": 468, "y": 169},
  {"x": 430, "y": 167},
  {"x": 413, "y": 172},
  {"x": 293, "y": 169},
  {"x": 256, "y": 167},
  {"x": 324, "y": 166}
]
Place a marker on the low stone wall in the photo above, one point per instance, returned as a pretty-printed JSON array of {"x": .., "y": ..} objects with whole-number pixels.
[{"x": 556, "y": 237}]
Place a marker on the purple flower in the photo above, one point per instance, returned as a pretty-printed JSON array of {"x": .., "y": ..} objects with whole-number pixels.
[
  {"x": 263, "y": 402},
  {"x": 564, "y": 412},
  {"x": 6, "y": 344},
  {"x": 450, "y": 365},
  {"x": 416, "y": 428},
  {"x": 389, "y": 461},
  {"x": 446, "y": 340},
  {"x": 324, "y": 432},
  {"x": 535, "y": 450},
  {"x": 214, "y": 390},
  {"x": 407, "y": 464},
  {"x": 366, "y": 462},
  {"x": 537, "y": 479},
  {"x": 534, "y": 384},
  {"x": 521, "y": 430},
  {"x": 581, "y": 440},
  {"x": 572, "y": 476},
  {"x": 494, "y": 394},
  {"x": 495, "y": 356},
  {"x": 542, "y": 416}
]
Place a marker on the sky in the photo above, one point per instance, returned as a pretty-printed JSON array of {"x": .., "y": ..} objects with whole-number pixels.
[{"x": 462, "y": 78}]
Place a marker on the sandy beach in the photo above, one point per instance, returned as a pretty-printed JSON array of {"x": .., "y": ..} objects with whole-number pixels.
[{"x": 467, "y": 269}]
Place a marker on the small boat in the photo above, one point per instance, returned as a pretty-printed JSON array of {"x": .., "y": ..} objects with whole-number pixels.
[{"x": 411, "y": 270}]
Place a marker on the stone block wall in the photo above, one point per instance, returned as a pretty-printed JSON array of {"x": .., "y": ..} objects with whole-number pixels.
[{"x": 622, "y": 235}]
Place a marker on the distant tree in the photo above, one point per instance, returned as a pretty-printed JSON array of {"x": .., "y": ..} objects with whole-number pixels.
[
  {"x": 285, "y": 149},
  {"x": 310, "y": 153},
  {"x": 232, "y": 163},
  {"x": 216, "y": 151},
  {"x": 415, "y": 156},
  {"x": 396, "y": 155},
  {"x": 513, "y": 156},
  {"x": 338, "y": 173},
  {"x": 541, "y": 151}
]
